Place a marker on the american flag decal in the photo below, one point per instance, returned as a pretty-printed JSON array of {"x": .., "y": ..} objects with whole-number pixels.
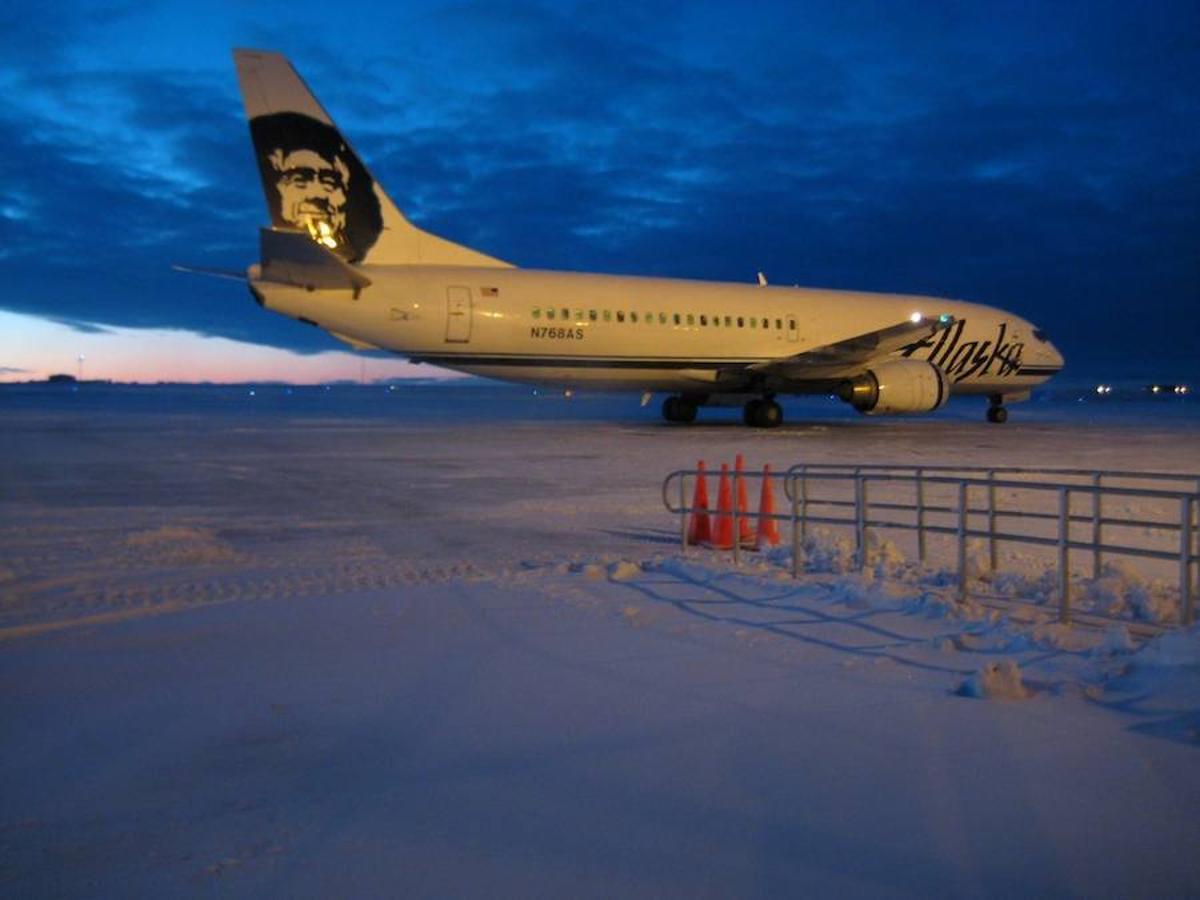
[{"x": 489, "y": 292}]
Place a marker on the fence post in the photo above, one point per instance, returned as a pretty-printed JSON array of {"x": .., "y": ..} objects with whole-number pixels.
[
  {"x": 1097, "y": 525},
  {"x": 795, "y": 531},
  {"x": 683, "y": 529},
  {"x": 803, "y": 503},
  {"x": 1195, "y": 520},
  {"x": 992, "y": 520},
  {"x": 1064, "y": 555},
  {"x": 860, "y": 537},
  {"x": 1185, "y": 561},
  {"x": 963, "y": 498},
  {"x": 737, "y": 522},
  {"x": 921, "y": 514}
]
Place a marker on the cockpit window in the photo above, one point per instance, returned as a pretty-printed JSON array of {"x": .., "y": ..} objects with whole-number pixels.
[{"x": 1040, "y": 335}]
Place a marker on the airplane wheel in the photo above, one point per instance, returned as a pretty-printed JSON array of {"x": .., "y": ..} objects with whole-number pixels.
[
  {"x": 770, "y": 414},
  {"x": 679, "y": 409},
  {"x": 762, "y": 414},
  {"x": 997, "y": 414}
]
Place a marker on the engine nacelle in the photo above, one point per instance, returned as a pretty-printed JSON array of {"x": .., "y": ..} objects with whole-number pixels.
[{"x": 897, "y": 386}]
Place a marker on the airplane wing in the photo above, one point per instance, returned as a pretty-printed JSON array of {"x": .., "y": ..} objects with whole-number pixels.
[{"x": 851, "y": 355}]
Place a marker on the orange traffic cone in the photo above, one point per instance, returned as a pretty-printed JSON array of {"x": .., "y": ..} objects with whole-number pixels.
[
  {"x": 768, "y": 528},
  {"x": 699, "y": 529},
  {"x": 745, "y": 532},
  {"x": 722, "y": 538}
]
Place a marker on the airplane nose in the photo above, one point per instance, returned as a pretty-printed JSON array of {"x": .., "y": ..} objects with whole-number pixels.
[{"x": 1043, "y": 350}]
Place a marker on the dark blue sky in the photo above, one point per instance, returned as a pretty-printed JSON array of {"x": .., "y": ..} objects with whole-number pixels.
[{"x": 1041, "y": 157}]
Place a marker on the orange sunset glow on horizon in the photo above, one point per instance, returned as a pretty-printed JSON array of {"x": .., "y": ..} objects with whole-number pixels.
[{"x": 34, "y": 348}]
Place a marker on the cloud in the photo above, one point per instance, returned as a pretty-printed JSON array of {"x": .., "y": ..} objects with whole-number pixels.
[
  {"x": 80, "y": 326},
  {"x": 1035, "y": 161},
  {"x": 45, "y": 39},
  {"x": 100, "y": 220}
]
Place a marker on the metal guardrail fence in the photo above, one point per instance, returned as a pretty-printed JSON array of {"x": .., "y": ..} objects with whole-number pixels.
[{"x": 932, "y": 500}]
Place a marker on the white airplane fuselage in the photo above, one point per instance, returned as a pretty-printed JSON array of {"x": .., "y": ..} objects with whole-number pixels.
[{"x": 619, "y": 332}]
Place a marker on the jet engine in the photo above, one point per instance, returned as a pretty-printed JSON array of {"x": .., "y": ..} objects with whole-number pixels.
[{"x": 897, "y": 386}]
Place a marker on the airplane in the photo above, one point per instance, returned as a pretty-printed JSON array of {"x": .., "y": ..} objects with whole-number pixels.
[{"x": 340, "y": 255}]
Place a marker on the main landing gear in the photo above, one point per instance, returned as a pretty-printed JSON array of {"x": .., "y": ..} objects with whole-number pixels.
[
  {"x": 761, "y": 412},
  {"x": 679, "y": 409},
  {"x": 996, "y": 412},
  {"x": 764, "y": 413}
]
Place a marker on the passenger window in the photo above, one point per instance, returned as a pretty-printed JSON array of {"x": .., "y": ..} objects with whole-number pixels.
[
  {"x": 677, "y": 322},
  {"x": 566, "y": 313},
  {"x": 741, "y": 322},
  {"x": 592, "y": 314},
  {"x": 620, "y": 316},
  {"x": 633, "y": 317},
  {"x": 753, "y": 322},
  {"x": 791, "y": 324},
  {"x": 729, "y": 321},
  {"x": 779, "y": 324},
  {"x": 662, "y": 318},
  {"x": 691, "y": 319},
  {"x": 537, "y": 312},
  {"x": 607, "y": 315},
  {"x": 703, "y": 319},
  {"x": 550, "y": 313}
]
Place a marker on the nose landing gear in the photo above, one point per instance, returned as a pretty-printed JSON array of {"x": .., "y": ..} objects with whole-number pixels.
[{"x": 996, "y": 412}]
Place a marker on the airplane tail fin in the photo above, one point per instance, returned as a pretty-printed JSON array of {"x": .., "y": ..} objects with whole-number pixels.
[{"x": 314, "y": 181}]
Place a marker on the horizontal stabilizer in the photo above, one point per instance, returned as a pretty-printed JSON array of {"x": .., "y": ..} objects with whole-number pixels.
[
  {"x": 292, "y": 257},
  {"x": 354, "y": 342},
  {"x": 231, "y": 274}
]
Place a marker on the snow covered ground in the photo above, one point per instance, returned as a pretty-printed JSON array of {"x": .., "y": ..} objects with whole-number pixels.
[{"x": 440, "y": 640}]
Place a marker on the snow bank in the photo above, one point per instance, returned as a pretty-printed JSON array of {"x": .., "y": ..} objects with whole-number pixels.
[
  {"x": 996, "y": 681},
  {"x": 1121, "y": 591},
  {"x": 174, "y": 545},
  {"x": 906, "y": 608},
  {"x": 624, "y": 570},
  {"x": 1117, "y": 639},
  {"x": 1037, "y": 586},
  {"x": 824, "y": 551},
  {"x": 1174, "y": 649}
]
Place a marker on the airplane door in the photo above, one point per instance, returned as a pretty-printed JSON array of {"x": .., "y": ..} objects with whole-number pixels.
[{"x": 458, "y": 314}]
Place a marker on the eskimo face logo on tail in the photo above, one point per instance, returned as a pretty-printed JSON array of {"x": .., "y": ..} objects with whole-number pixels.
[
  {"x": 314, "y": 182},
  {"x": 312, "y": 193}
]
